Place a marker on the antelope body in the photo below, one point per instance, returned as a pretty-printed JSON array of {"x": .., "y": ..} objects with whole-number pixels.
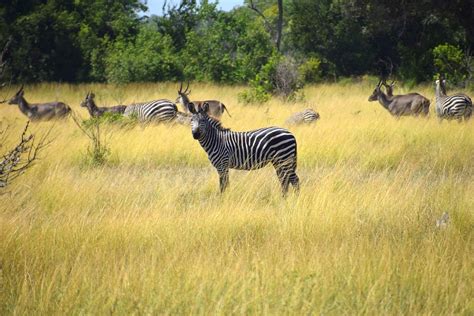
[
  {"x": 401, "y": 105},
  {"x": 215, "y": 108},
  {"x": 96, "y": 111},
  {"x": 40, "y": 111}
]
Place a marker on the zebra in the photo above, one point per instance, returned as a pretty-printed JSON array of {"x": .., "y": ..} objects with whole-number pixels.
[
  {"x": 245, "y": 150},
  {"x": 306, "y": 116},
  {"x": 154, "y": 111},
  {"x": 456, "y": 106}
]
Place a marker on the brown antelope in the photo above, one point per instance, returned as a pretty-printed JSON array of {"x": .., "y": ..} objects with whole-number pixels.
[
  {"x": 401, "y": 105},
  {"x": 215, "y": 108},
  {"x": 40, "y": 111},
  {"x": 96, "y": 111}
]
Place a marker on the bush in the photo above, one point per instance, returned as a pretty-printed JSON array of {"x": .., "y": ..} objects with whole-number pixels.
[
  {"x": 150, "y": 57},
  {"x": 449, "y": 60},
  {"x": 278, "y": 77},
  {"x": 310, "y": 70}
]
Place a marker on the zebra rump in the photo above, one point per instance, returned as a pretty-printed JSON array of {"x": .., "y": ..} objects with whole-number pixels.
[
  {"x": 306, "y": 116},
  {"x": 455, "y": 106},
  {"x": 154, "y": 111}
]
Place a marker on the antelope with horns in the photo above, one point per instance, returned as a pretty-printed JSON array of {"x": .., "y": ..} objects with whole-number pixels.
[
  {"x": 215, "y": 108},
  {"x": 96, "y": 111},
  {"x": 400, "y": 105},
  {"x": 40, "y": 111}
]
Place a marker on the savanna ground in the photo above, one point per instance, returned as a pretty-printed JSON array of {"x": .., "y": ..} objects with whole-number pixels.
[{"x": 149, "y": 232}]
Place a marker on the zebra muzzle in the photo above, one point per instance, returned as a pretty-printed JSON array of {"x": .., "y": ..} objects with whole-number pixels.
[{"x": 196, "y": 134}]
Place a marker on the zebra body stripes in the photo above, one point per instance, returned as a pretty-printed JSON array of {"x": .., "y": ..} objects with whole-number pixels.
[
  {"x": 154, "y": 111},
  {"x": 246, "y": 150},
  {"x": 306, "y": 116},
  {"x": 456, "y": 106}
]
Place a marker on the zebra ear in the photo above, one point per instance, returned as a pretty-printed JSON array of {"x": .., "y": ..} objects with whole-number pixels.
[
  {"x": 205, "y": 107},
  {"x": 192, "y": 108}
]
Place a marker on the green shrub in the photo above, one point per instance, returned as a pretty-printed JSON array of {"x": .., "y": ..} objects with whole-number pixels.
[
  {"x": 449, "y": 61},
  {"x": 310, "y": 71}
]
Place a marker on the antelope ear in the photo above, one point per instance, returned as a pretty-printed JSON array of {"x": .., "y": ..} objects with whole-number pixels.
[
  {"x": 92, "y": 95},
  {"x": 205, "y": 107},
  {"x": 192, "y": 108}
]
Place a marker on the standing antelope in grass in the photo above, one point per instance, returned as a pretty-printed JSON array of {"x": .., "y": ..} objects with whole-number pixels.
[
  {"x": 456, "y": 106},
  {"x": 215, "y": 108},
  {"x": 401, "y": 105},
  {"x": 245, "y": 150},
  {"x": 40, "y": 111},
  {"x": 153, "y": 111},
  {"x": 96, "y": 111}
]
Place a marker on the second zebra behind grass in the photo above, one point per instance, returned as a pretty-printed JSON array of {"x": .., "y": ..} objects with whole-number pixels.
[
  {"x": 246, "y": 150},
  {"x": 153, "y": 111}
]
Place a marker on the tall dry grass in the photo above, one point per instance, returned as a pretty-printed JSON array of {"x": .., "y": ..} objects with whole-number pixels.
[{"x": 148, "y": 233}]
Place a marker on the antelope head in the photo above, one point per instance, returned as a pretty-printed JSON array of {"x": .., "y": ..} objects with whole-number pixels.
[
  {"x": 17, "y": 97},
  {"x": 183, "y": 96},
  {"x": 376, "y": 92}
]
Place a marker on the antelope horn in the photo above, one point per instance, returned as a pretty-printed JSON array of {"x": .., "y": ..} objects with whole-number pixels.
[
  {"x": 186, "y": 90},
  {"x": 180, "y": 87}
]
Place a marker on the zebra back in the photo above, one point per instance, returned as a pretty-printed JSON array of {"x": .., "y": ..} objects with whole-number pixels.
[
  {"x": 156, "y": 111},
  {"x": 306, "y": 116}
]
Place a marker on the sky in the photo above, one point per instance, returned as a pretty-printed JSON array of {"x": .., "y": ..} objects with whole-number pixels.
[{"x": 155, "y": 6}]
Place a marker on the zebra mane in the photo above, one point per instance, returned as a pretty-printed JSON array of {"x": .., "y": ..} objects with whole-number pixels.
[{"x": 217, "y": 124}]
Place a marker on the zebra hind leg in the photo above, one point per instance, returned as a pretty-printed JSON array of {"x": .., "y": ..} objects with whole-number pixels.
[
  {"x": 284, "y": 177},
  {"x": 295, "y": 181},
  {"x": 223, "y": 179}
]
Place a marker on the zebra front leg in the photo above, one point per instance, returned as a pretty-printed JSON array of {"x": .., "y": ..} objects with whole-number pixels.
[{"x": 223, "y": 179}]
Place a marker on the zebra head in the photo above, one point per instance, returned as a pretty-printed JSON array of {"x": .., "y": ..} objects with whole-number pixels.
[{"x": 199, "y": 121}]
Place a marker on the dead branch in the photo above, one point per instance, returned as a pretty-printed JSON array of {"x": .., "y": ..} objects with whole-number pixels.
[{"x": 16, "y": 161}]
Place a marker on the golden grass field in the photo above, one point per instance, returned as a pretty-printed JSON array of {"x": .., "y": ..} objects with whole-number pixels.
[{"x": 149, "y": 233}]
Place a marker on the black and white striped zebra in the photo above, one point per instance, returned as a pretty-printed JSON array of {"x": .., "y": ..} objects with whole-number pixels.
[
  {"x": 456, "y": 106},
  {"x": 307, "y": 116},
  {"x": 245, "y": 150},
  {"x": 154, "y": 111}
]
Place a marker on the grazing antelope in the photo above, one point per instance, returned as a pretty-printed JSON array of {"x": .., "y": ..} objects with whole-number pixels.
[
  {"x": 215, "y": 109},
  {"x": 153, "y": 111},
  {"x": 40, "y": 111},
  {"x": 306, "y": 116},
  {"x": 401, "y": 105},
  {"x": 96, "y": 111},
  {"x": 245, "y": 150},
  {"x": 456, "y": 106}
]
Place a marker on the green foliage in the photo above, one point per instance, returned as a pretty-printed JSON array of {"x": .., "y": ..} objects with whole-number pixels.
[
  {"x": 449, "y": 61},
  {"x": 111, "y": 118},
  {"x": 278, "y": 77},
  {"x": 310, "y": 70},
  {"x": 149, "y": 57},
  {"x": 98, "y": 40}
]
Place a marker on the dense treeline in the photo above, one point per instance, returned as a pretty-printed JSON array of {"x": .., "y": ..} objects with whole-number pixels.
[{"x": 102, "y": 40}]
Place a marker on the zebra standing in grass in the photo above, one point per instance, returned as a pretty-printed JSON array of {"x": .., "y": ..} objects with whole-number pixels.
[
  {"x": 456, "y": 106},
  {"x": 154, "y": 111},
  {"x": 245, "y": 150},
  {"x": 306, "y": 116}
]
